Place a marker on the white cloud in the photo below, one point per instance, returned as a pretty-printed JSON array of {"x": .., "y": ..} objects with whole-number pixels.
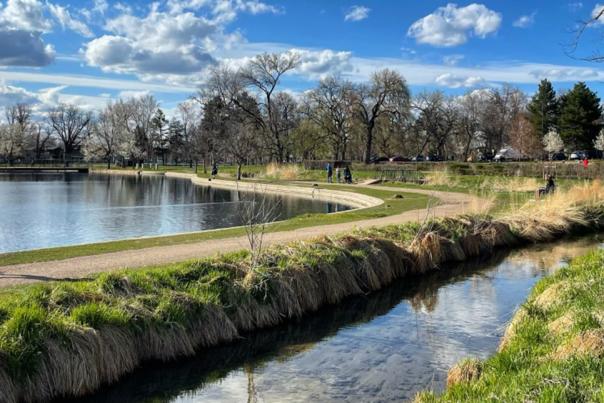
[
  {"x": 575, "y": 6},
  {"x": 453, "y": 81},
  {"x": 452, "y": 60},
  {"x": 357, "y": 13},
  {"x": 567, "y": 74},
  {"x": 160, "y": 45},
  {"x": 76, "y": 80},
  {"x": 64, "y": 18},
  {"x": 525, "y": 21},
  {"x": 319, "y": 63},
  {"x": 26, "y": 15},
  {"x": 46, "y": 98},
  {"x": 100, "y": 6},
  {"x": 451, "y": 25},
  {"x": 10, "y": 95},
  {"x": 597, "y": 10}
]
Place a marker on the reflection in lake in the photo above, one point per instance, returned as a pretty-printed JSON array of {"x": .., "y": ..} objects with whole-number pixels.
[
  {"x": 382, "y": 347},
  {"x": 45, "y": 210}
]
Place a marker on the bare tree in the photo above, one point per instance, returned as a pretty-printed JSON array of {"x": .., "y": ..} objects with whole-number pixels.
[
  {"x": 331, "y": 107},
  {"x": 437, "y": 119},
  {"x": 580, "y": 29},
  {"x": 140, "y": 112},
  {"x": 387, "y": 93},
  {"x": 469, "y": 133},
  {"x": 107, "y": 137},
  {"x": 264, "y": 73},
  {"x": 501, "y": 108},
  {"x": 71, "y": 125},
  {"x": 39, "y": 136}
]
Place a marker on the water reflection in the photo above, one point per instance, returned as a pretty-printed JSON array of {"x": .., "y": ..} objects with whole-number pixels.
[
  {"x": 65, "y": 209},
  {"x": 383, "y": 347}
]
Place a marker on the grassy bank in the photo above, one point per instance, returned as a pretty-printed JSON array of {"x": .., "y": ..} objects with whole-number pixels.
[
  {"x": 68, "y": 338},
  {"x": 553, "y": 349},
  {"x": 393, "y": 205}
]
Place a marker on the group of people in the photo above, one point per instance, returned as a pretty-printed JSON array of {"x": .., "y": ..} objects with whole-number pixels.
[{"x": 347, "y": 174}]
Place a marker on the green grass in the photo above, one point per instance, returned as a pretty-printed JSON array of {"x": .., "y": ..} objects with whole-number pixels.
[
  {"x": 545, "y": 362},
  {"x": 392, "y": 206}
]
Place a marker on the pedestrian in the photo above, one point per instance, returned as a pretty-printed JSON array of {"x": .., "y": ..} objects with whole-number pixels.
[
  {"x": 329, "y": 173},
  {"x": 338, "y": 175},
  {"x": 585, "y": 162},
  {"x": 347, "y": 175},
  {"x": 214, "y": 172}
]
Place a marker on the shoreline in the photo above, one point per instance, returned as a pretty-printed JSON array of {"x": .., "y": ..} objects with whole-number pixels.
[
  {"x": 351, "y": 199},
  {"x": 176, "y": 320}
]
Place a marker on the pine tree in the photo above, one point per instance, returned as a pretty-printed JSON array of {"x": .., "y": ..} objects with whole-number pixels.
[
  {"x": 544, "y": 109},
  {"x": 580, "y": 114}
]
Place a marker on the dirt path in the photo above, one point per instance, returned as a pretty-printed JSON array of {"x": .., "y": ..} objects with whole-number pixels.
[{"x": 79, "y": 267}]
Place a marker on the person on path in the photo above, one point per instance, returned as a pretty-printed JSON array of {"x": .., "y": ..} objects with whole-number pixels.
[
  {"x": 585, "y": 163},
  {"x": 214, "y": 171},
  {"x": 329, "y": 173},
  {"x": 347, "y": 175},
  {"x": 338, "y": 175}
]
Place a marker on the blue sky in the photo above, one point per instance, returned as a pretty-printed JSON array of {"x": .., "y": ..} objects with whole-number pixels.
[{"x": 91, "y": 51}]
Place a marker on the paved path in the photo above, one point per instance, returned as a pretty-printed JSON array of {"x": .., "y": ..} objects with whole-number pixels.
[{"x": 79, "y": 267}]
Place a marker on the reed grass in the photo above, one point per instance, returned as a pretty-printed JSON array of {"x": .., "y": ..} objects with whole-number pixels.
[
  {"x": 69, "y": 338},
  {"x": 283, "y": 171}
]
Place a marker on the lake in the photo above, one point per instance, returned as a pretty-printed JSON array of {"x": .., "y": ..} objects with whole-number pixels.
[{"x": 48, "y": 210}]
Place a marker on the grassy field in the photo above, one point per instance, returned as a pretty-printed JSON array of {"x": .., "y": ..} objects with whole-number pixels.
[
  {"x": 392, "y": 206},
  {"x": 553, "y": 350},
  {"x": 69, "y": 337}
]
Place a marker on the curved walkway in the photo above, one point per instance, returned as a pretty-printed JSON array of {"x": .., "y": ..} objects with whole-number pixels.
[{"x": 80, "y": 267}]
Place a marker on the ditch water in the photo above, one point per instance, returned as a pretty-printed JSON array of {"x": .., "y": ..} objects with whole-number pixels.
[
  {"x": 46, "y": 210},
  {"x": 386, "y": 346}
]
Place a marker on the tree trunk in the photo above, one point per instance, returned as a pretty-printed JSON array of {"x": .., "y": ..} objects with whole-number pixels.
[
  {"x": 239, "y": 171},
  {"x": 368, "y": 143}
]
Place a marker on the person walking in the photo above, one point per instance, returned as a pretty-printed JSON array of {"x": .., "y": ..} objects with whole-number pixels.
[
  {"x": 347, "y": 175},
  {"x": 214, "y": 172},
  {"x": 329, "y": 173},
  {"x": 338, "y": 175}
]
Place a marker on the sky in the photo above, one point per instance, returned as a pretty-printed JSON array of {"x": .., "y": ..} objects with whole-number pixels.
[{"x": 90, "y": 52}]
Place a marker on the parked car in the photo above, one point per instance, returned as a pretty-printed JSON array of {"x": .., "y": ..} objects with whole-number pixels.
[
  {"x": 400, "y": 158},
  {"x": 508, "y": 154},
  {"x": 578, "y": 155},
  {"x": 558, "y": 156},
  {"x": 378, "y": 160},
  {"x": 433, "y": 157},
  {"x": 418, "y": 158}
]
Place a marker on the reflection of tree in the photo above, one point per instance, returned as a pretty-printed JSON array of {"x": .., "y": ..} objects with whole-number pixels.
[{"x": 252, "y": 397}]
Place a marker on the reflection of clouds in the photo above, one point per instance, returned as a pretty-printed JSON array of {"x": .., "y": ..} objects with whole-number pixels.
[
  {"x": 406, "y": 350},
  {"x": 62, "y": 210}
]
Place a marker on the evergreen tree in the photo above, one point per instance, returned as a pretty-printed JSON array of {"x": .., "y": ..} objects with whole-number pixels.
[
  {"x": 544, "y": 109},
  {"x": 580, "y": 114}
]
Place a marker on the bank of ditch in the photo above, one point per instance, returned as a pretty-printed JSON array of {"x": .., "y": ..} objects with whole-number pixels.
[
  {"x": 69, "y": 338},
  {"x": 553, "y": 349}
]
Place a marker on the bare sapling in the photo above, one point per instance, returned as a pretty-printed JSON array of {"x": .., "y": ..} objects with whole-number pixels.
[{"x": 256, "y": 212}]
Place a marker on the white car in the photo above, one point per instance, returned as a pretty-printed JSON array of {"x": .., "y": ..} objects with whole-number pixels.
[{"x": 508, "y": 154}]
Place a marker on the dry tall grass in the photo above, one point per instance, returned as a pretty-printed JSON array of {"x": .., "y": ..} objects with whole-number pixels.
[
  {"x": 441, "y": 178},
  {"x": 283, "y": 171},
  {"x": 511, "y": 184},
  {"x": 214, "y": 301}
]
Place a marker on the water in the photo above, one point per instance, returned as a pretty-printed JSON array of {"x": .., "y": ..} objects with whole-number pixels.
[
  {"x": 46, "y": 210},
  {"x": 383, "y": 347}
]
